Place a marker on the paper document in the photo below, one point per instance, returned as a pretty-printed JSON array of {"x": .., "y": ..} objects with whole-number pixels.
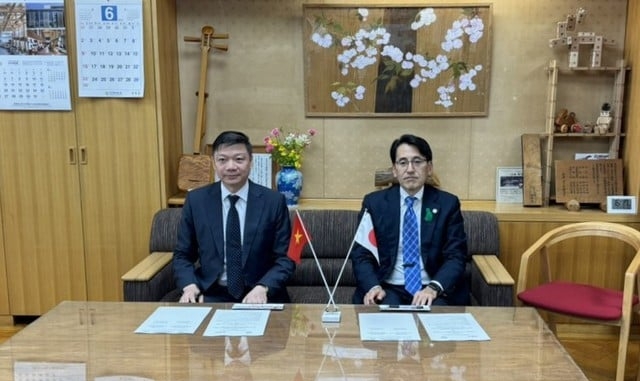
[
  {"x": 49, "y": 371},
  {"x": 388, "y": 327},
  {"x": 453, "y": 327},
  {"x": 174, "y": 320},
  {"x": 238, "y": 323}
]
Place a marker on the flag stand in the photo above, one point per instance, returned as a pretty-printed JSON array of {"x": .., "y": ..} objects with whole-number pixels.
[{"x": 331, "y": 314}]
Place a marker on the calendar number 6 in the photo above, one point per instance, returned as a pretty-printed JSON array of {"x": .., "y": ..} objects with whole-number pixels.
[{"x": 109, "y": 13}]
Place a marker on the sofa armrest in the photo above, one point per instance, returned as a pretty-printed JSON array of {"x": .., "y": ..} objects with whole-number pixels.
[
  {"x": 491, "y": 283},
  {"x": 150, "y": 280}
]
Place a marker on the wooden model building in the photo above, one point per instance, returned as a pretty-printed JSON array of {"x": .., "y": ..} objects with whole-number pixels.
[{"x": 565, "y": 35}]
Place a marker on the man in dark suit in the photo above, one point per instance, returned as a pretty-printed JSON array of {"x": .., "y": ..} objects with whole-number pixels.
[
  {"x": 421, "y": 265},
  {"x": 252, "y": 266}
]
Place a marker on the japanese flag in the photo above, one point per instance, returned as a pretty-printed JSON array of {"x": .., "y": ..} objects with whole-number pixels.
[{"x": 365, "y": 235}]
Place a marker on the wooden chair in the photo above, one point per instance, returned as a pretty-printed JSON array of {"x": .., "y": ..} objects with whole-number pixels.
[{"x": 592, "y": 297}]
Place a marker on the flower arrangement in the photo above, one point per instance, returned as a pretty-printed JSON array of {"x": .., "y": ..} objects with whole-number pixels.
[{"x": 286, "y": 148}]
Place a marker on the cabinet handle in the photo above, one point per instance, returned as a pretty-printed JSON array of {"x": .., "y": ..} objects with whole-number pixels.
[
  {"x": 83, "y": 155},
  {"x": 72, "y": 156}
]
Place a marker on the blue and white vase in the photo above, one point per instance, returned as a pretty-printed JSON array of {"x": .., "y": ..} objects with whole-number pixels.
[{"x": 289, "y": 183}]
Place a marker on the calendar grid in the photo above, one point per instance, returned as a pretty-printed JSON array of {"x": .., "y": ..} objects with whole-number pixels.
[
  {"x": 33, "y": 59},
  {"x": 110, "y": 48}
]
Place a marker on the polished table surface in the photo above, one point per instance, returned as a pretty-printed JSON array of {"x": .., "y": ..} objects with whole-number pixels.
[{"x": 296, "y": 346}]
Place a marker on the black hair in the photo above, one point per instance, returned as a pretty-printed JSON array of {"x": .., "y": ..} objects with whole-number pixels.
[
  {"x": 412, "y": 140},
  {"x": 229, "y": 138}
]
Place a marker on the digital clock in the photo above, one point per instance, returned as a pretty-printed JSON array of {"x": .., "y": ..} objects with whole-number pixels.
[{"x": 622, "y": 205}]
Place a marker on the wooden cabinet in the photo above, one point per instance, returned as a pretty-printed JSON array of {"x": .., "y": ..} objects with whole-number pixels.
[
  {"x": 591, "y": 140},
  {"x": 78, "y": 189}
]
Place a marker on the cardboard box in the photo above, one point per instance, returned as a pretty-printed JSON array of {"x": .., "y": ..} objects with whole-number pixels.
[{"x": 588, "y": 181}]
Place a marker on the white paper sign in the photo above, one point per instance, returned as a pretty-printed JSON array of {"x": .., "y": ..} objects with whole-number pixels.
[
  {"x": 453, "y": 327},
  {"x": 509, "y": 183},
  {"x": 238, "y": 323},
  {"x": 385, "y": 326},
  {"x": 49, "y": 371},
  {"x": 175, "y": 320}
]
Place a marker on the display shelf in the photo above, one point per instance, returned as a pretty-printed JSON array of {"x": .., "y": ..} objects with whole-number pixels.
[{"x": 618, "y": 74}]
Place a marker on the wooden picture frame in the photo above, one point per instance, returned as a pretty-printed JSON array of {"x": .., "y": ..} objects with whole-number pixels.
[
  {"x": 264, "y": 168},
  {"x": 396, "y": 61}
]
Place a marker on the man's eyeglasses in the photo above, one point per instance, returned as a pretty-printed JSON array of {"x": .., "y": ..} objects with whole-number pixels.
[{"x": 417, "y": 162}]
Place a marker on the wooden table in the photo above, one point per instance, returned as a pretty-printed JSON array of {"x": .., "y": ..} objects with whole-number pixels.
[{"x": 296, "y": 346}]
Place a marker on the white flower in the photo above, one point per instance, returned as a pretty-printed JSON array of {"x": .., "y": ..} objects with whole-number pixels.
[
  {"x": 324, "y": 41},
  {"x": 364, "y": 13},
  {"x": 425, "y": 17}
]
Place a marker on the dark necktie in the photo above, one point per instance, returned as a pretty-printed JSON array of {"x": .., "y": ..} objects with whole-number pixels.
[
  {"x": 233, "y": 246},
  {"x": 410, "y": 249}
]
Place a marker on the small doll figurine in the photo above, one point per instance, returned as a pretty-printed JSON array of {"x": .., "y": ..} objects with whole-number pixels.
[
  {"x": 564, "y": 121},
  {"x": 604, "y": 120}
]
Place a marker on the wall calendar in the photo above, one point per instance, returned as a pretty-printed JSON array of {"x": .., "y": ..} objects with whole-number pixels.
[
  {"x": 34, "y": 68},
  {"x": 109, "y": 37}
]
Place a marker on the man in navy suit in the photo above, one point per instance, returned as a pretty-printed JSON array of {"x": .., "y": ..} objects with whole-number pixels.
[
  {"x": 440, "y": 246},
  {"x": 200, "y": 261}
]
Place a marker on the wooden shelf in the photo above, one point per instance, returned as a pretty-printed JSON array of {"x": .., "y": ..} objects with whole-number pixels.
[{"x": 613, "y": 137}]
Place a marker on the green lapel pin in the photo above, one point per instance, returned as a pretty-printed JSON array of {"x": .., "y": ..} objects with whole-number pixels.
[{"x": 428, "y": 215}]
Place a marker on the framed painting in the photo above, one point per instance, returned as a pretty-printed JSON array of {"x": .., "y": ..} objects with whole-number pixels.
[{"x": 396, "y": 61}]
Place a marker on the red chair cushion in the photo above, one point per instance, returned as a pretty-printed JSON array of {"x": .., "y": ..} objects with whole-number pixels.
[{"x": 576, "y": 300}]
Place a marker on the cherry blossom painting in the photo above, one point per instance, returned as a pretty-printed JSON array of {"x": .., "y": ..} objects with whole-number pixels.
[{"x": 428, "y": 60}]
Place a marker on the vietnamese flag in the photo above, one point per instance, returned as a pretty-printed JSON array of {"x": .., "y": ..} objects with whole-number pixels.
[{"x": 298, "y": 239}]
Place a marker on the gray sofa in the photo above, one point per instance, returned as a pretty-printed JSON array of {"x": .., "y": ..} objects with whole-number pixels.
[{"x": 331, "y": 233}]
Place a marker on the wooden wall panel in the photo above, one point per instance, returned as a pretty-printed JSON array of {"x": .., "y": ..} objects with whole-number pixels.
[
  {"x": 632, "y": 111},
  {"x": 165, "y": 55}
]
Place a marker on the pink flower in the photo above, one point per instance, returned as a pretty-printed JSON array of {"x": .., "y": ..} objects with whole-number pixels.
[
  {"x": 312, "y": 131},
  {"x": 268, "y": 147},
  {"x": 275, "y": 132}
]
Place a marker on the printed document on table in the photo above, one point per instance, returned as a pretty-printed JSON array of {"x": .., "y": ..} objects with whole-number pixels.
[
  {"x": 49, "y": 371},
  {"x": 238, "y": 323},
  {"x": 175, "y": 320},
  {"x": 453, "y": 327},
  {"x": 388, "y": 327}
]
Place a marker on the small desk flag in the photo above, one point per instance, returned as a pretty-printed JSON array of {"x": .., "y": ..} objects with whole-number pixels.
[
  {"x": 365, "y": 235},
  {"x": 298, "y": 240}
]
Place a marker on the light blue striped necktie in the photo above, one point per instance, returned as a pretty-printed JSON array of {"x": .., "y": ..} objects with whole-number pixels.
[{"x": 411, "y": 249}]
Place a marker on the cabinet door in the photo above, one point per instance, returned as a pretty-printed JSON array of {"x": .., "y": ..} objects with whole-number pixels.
[
  {"x": 4, "y": 294},
  {"x": 40, "y": 205},
  {"x": 120, "y": 177},
  {"x": 121, "y": 188}
]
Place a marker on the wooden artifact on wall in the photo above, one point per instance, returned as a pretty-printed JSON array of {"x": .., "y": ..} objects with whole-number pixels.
[
  {"x": 531, "y": 170},
  {"x": 379, "y": 60},
  {"x": 566, "y": 36},
  {"x": 197, "y": 170}
]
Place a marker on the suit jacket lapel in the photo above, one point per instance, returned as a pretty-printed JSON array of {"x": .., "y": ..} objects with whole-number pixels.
[
  {"x": 393, "y": 213},
  {"x": 213, "y": 213},
  {"x": 251, "y": 219},
  {"x": 428, "y": 215}
]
